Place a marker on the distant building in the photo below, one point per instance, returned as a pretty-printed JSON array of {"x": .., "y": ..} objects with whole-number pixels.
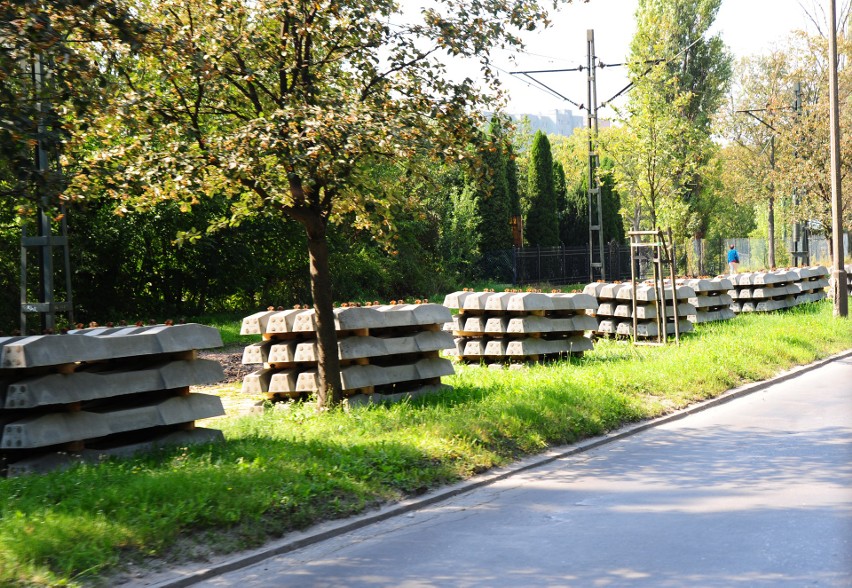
[{"x": 555, "y": 122}]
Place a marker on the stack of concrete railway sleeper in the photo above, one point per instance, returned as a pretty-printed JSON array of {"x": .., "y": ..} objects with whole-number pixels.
[
  {"x": 519, "y": 327},
  {"x": 777, "y": 289},
  {"x": 100, "y": 392},
  {"x": 711, "y": 301},
  {"x": 387, "y": 352},
  {"x": 615, "y": 309}
]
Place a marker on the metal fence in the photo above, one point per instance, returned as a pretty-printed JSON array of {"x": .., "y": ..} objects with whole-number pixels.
[
  {"x": 754, "y": 253},
  {"x": 571, "y": 265},
  {"x": 552, "y": 265}
]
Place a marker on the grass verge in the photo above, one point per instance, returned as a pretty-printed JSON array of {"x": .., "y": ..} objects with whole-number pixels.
[{"x": 289, "y": 469}]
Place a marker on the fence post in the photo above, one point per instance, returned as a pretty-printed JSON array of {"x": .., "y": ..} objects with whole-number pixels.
[
  {"x": 514, "y": 266},
  {"x": 538, "y": 263}
]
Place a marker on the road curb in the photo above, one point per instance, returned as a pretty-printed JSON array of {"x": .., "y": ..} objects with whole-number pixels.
[{"x": 180, "y": 578}]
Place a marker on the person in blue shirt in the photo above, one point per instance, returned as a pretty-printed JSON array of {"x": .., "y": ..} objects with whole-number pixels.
[{"x": 733, "y": 259}]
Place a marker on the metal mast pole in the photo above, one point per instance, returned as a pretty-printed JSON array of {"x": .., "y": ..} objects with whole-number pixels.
[
  {"x": 841, "y": 304},
  {"x": 771, "y": 227},
  {"x": 48, "y": 319},
  {"x": 594, "y": 193},
  {"x": 801, "y": 248},
  {"x": 44, "y": 242}
]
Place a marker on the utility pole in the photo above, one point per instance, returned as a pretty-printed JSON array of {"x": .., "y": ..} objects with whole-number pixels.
[
  {"x": 595, "y": 207},
  {"x": 597, "y": 260},
  {"x": 594, "y": 192},
  {"x": 45, "y": 241},
  {"x": 771, "y": 215},
  {"x": 841, "y": 303},
  {"x": 801, "y": 247},
  {"x": 771, "y": 219}
]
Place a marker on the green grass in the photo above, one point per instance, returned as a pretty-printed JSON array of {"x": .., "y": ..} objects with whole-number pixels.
[
  {"x": 229, "y": 324},
  {"x": 288, "y": 469}
]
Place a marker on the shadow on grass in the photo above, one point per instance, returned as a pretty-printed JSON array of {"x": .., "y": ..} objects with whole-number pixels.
[{"x": 227, "y": 496}]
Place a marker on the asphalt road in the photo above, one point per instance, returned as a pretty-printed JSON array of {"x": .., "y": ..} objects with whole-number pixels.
[{"x": 755, "y": 492}]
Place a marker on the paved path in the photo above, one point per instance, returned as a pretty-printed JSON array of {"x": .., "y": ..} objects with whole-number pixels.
[{"x": 756, "y": 492}]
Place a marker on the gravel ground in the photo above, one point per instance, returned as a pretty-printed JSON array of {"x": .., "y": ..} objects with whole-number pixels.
[{"x": 231, "y": 360}]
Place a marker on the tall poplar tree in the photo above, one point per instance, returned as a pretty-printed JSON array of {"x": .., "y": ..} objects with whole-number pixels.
[{"x": 680, "y": 75}]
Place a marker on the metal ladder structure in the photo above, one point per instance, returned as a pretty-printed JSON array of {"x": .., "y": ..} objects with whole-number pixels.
[
  {"x": 597, "y": 256},
  {"x": 44, "y": 242},
  {"x": 663, "y": 255},
  {"x": 44, "y": 245}
]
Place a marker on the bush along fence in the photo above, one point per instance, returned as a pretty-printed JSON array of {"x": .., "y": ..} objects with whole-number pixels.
[
  {"x": 387, "y": 352},
  {"x": 519, "y": 327},
  {"x": 100, "y": 392}
]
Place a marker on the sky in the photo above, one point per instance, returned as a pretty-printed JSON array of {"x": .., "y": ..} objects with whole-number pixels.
[{"x": 747, "y": 26}]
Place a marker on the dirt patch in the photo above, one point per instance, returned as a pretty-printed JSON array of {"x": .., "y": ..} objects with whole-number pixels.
[{"x": 231, "y": 360}]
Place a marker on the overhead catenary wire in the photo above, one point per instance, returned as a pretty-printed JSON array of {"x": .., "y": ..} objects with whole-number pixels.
[
  {"x": 553, "y": 92},
  {"x": 548, "y": 57},
  {"x": 652, "y": 63},
  {"x": 539, "y": 86},
  {"x": 601, "y": 65},
  {"x": 751, "y": 112}
]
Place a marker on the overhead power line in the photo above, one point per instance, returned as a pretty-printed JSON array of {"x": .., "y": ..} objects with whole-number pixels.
[{"x": 528, "y": 74}]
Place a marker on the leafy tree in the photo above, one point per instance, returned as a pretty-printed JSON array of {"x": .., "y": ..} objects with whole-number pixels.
[
  {"x": 10, "y": 243},
  {"x": 520, "y": 145},
  {"x": 513, "y": 188},
  {"x": 49, "y": 80},
  {"x": 284, "y": 106},
  {"x": 644, "y": 156},
  {"x": 464, "y": 223},
  {"x": 541, "y": 227},
  {"x": 613, "y": 225},
  {"x": 560, "y": 191},
  {"x": 133, "y": 257},
  {"x": 674, "y": 33},
  {"x": 759, "y": 108},
  {"x": 728, "y": 213},
  {"x": 803, "y": 163},
  {"x": 572, "y": 153},
  {"x": 660, "y": 161},
  {"x": 512, "y": 182}
]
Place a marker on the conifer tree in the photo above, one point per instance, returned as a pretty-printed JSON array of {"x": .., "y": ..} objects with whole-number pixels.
[
  {"x": 495, "y": 210},
  {"x": 541, "y": 227}
]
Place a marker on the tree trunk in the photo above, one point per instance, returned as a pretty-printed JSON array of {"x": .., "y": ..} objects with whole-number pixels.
[
  {"x": 771, "y": 230},
  {"x": 330, "y": 393}
]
